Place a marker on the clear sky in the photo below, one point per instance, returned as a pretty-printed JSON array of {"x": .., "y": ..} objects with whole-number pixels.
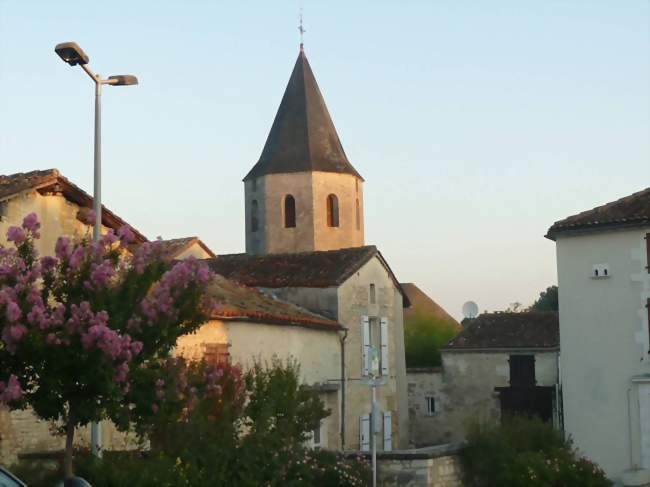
[{"x": 476, "y": 124}]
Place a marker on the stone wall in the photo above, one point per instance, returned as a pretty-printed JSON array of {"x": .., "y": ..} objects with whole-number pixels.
[
  {"x": 438, "y": 466},
  {"x": 463, "y": 391}
]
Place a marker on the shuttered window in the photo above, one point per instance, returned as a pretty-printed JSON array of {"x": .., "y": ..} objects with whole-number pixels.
[
  {"x": 216, "y": 353},
  {"x": 647, "y": 252},
  {"x": 364, "y": 432},
  {"x": 365, "y": 345},
  {"x": 384, "y": 346},
  {"x": 388, "y": 431}
]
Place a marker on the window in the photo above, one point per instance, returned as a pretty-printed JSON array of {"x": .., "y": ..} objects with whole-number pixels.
[
  {"x": 4, "y": 207},
  {"x": 374, "y": 345},
  {"x": 358, "y": 215},
  {"x": 216, "y": 353},
  {"x": 373, "y": 294},
  {"x": 647, "y": 305},
  {"x": 522, "y": 370},
  {"x": 332, "y": 211},
  {"x": 316, "y": 436},
  {"x": 431, "y": 405},
  {"x": 289, "y": 211},
  {"x": 254, "y": 219},
  {"x": 647, "y": 251}
]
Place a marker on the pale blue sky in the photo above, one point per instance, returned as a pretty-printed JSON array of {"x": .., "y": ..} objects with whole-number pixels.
[{"x": 476, "y": 124}]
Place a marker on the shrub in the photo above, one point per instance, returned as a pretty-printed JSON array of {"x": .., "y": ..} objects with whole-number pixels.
[{"x": 526, "y": 452}]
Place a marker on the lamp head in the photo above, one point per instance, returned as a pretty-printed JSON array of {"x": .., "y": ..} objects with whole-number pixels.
[
  {"x": 71, "y": 53},
  {"x": 123, "y": 80}
]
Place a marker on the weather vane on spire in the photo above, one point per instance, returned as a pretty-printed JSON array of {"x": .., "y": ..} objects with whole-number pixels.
[{"x": 302, "y": 30}]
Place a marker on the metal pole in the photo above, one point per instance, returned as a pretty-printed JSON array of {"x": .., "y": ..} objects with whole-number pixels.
[
  {"x": 373, "y": 436},
  {"x": 95, "y": 429}
]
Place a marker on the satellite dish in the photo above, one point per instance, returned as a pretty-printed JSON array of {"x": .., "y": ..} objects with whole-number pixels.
[{"x": 470, "y": 310}]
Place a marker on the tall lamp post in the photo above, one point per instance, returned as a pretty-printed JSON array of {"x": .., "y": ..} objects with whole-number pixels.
[{"x": 71, "y": 53}]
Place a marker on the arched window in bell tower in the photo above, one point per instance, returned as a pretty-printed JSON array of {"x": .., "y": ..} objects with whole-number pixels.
[
  {"x": 254, "y": 217},
  {"x": 332, "y": 211},
  {"x": 289, "y": 211}
]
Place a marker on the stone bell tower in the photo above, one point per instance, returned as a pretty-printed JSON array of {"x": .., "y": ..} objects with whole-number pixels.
[{"x": 303, "y": 194}]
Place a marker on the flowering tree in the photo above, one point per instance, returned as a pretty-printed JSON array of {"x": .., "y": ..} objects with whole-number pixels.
[{"x": 79, "y": 328}]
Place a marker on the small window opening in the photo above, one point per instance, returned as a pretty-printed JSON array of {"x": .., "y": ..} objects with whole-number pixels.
[
  {"x": 316, "y": 437},
  {"x": 431, "y": 405},
  {"x": 358, "y": 215},
  {"x": 289, "y": 211},
  {"x": 217, "y": 353},
  {"x": 522, "y": 370},
  {"x": 373, "y": 294},
  {"x": 254, "y": 217},
  {"x": 647, "y": 251},
  {"x": 332, "y": 211}
]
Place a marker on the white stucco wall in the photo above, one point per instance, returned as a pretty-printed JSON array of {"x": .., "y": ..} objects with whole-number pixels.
[
  {"x": 317, "y": 351},
  {"x": 604, "y": 341}
]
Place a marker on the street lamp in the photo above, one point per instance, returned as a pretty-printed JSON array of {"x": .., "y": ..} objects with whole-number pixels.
[{"x": 71, "y": 53}]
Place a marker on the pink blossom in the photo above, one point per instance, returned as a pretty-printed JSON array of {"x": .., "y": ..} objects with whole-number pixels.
[
  {"x": 13, "y": 311},
  {"x": 10, "y": 391},
  {"x": 126, "y": 234},
  {"x": 16, "y": 235},
  {"x": 17, "y": 332},
  {"x": 32, "y": 225},
  {"x": 76, "y": 257},
  {"x": 109, "y": 238},
  {"x": 48, "y": 264},
  {"x": 136, "y": 348},
  {"x": 122, "y": 372},
  {"x": 101, "y": 274},
  {"x": 62, "y": 248}
]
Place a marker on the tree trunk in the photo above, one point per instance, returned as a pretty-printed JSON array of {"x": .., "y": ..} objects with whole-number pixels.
[{"x": 69, "y": 442}]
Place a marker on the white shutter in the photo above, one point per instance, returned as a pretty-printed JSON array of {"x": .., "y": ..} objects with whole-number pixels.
[
  {"x": 388, "y": 431},
  {"x": 365, "y": 345},
  {"x": 364, "y": 432},
  {"x": 384, "y": 346}
]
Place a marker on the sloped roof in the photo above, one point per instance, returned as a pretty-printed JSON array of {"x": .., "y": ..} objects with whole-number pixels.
[
  {"x": 240, "y": 303},
  {"x": 423, "y": 306},
  {"x": 302, "y": 137},
  {"x": 529, "y": 330},
  {"x": 327, "y": 268},
  {"x": 631, "y": 211},
  {"x": 171, "y": 248},
  {"x": 51, "y": 180}
]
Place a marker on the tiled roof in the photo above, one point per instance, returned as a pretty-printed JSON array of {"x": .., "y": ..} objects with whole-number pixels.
[
  {"x": 302, "y": 137},
  {"x": 171, "y": 248},
  {"x": 319, "y": 269},
  {"x": 241, "y": 303},
  {"x": 631, "y": 211},
  {"x": 51, "y": 180},
  {"x": 303, "y": 269},
  {"x": 508, "y": 331}
]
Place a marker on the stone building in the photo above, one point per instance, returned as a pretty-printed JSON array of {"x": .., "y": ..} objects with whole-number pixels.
[
  {"x": 305, "y": 244},
  {"x": 500, "y": 363},
  {"x": 603, "y": 264}
]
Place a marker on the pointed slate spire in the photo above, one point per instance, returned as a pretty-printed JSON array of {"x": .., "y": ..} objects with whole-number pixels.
[{"x": 302, "y": 137}]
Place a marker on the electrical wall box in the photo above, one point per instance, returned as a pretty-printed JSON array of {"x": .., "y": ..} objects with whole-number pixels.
[{"x": 600, "y": 271}]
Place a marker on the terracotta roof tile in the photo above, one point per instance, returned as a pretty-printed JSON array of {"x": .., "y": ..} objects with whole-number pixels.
[
  {"x": 631, "y": 211},
  {"x": 509, "y": 331},
  {"x": 238, "y": 302},
  {"x": 304, "y": 269},
  {"x": 51, "y": 180}
]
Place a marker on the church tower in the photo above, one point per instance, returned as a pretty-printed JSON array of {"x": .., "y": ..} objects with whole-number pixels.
[{"x": 303, "y": 194}]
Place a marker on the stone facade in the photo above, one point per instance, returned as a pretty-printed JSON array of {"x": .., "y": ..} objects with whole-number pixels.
[
  {"x": 427, "y": 467},
  {"x": 264, "y": 204},
  {"x": 463, "y": 391},
  {"x": 348, "y": 304}
]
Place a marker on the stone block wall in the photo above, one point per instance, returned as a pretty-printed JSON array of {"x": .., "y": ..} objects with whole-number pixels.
[{"x": 438, "y": 466}]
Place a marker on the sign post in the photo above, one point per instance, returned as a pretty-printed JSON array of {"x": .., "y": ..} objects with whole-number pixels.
[{"x": 375, "y": 379}]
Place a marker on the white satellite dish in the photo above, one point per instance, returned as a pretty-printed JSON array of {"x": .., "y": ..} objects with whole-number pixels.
[{"x": 470, "y": 310}]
